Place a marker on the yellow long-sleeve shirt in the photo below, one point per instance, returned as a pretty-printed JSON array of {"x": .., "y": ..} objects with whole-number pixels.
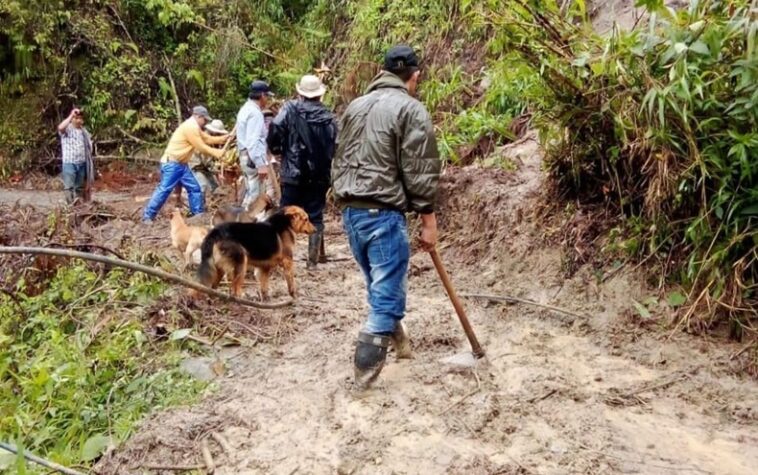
[{"x": 188, "y": 138}]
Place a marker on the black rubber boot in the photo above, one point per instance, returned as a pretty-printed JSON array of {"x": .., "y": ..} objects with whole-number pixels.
[
  {"x": 370, "y": 355},
  {"x": 314, "y": 242}
]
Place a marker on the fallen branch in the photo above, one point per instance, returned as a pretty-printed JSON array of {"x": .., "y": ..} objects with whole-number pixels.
[
  {"x": 509, "y": 299},
  {"x": 615, "y": 397},
  {"x": 210, "y": 465},
  {"x": 223, "y": 443},
  {"x": 173, "y": 468},
  {"x": 173, "y": 90},
  {"x": 137, "y": 139},
  {"x": 246, "y": 43},
  {"x": 752, "y": 344},
  {"x": 14, "y": 298},
  {"x": 459, "y": 401},
  {"x": 126, "y": 158},
  {"x": 144, "y": 269},
  {"x": 87, "y": 246},
  {"x": 543, "y": 397},
  {"x": 39, "y": 460}
]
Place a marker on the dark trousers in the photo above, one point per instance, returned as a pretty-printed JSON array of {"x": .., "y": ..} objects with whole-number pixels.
[{"x": 310, "y": 197}]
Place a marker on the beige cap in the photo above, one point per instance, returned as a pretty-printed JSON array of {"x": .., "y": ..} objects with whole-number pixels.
[
  {"x": 310, "y": 86},
  {"x": 216, "y": 127}
]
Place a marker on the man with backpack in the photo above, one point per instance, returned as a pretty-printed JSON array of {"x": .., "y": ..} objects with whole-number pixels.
[{"x": 304, "y": 134}]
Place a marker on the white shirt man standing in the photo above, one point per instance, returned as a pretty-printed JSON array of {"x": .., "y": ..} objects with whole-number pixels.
[{"x": 251, "y": 140}]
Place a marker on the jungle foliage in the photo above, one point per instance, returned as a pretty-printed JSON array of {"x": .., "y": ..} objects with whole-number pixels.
[{"x": 657, "y": 126}]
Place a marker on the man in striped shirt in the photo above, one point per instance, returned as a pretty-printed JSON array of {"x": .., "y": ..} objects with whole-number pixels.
[{"x": 76, "y": 154}]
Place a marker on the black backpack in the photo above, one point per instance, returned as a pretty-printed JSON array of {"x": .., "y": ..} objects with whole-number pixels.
[{"x": 316, "y": 146}]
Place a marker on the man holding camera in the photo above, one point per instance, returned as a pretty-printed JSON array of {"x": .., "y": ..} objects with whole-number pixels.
[{"x": 76, "y": 153}]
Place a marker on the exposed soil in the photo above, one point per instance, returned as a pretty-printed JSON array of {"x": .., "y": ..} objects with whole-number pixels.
[{"x": 598, "y": 392}]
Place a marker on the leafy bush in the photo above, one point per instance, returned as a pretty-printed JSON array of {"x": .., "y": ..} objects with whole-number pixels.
[
  {"x": 660, "y": 124},
  {"x": 74, "y": 358},
  {"x": 129, "y": 62}
]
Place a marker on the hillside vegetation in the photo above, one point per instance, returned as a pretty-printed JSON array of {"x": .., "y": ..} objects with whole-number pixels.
[{"x": 652, "y": 133}]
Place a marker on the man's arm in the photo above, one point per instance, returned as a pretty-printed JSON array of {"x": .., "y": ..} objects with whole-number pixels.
[
  {"x": 420, "y": 168},
  {"x": 195, "y": 138},
  {"x": 65, "y": 123},
  {"x": 213, "y": 139},
  {"x": 420, "y": 164}
]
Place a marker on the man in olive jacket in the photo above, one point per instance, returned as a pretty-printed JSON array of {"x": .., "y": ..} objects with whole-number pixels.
[{"x": 387, "y": 163}]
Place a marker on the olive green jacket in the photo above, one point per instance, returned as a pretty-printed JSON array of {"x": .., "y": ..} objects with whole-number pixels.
[{"x": 387, "y": 154}]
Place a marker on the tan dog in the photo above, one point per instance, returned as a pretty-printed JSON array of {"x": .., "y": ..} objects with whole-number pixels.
[{"x": 187, "y": 239}]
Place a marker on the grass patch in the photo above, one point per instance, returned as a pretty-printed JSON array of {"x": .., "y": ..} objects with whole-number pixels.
[{"x": 77, "y": 371}]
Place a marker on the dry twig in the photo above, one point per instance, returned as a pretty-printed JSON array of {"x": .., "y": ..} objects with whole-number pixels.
[
  {"x": 223, "y": 443},
  {"x": 210, "y": 465},
  {"x": 509, "y": 299}
]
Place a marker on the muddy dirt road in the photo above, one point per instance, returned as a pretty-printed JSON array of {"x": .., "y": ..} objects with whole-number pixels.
[
  {"x": 557, "y": 394},
  {"x": 596, "y": 393}
]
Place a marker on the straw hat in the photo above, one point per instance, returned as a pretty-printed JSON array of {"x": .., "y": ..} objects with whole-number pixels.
[
  {"x": 216, "y": 127},
  {"x": 310, "y": 86}
]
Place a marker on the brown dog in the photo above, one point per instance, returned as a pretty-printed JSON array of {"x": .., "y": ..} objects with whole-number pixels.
[
  {"x": 238, "y": 214},
  {"x": 230, "y": 247},
  {"x": 187, "y": 239}
]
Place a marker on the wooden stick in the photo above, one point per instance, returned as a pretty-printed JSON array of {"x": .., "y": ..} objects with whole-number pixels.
[
  {"x": 39, "y": 460},
  {"x": 210, "y": 465},
  {"x": 125, "y": 157},
  {"x": 475, "y": 347},
  {"x": 173, "y": 468},
  {"x": 223, "y": 443},
  {"x": 228, "y": 142},
  {"x": 173, "y": 91},
  {"x": 144, "y": 269},
  {"x": 86, "y": 245},
  {"x": 509, "y": 299},
  {"x": 468, "y": 395}
]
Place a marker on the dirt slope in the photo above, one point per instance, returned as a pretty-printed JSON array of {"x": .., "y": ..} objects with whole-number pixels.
[{"x": 558, "y": 394}]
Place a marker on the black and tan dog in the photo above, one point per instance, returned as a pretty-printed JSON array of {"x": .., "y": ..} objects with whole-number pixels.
[{"x": 231, "y": 247}]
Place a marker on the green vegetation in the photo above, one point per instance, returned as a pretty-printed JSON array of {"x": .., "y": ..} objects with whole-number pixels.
[
  {"x": 77, "y": 371},
  {"x": 661, "y": 124},
  {"x": 658, "y": 127}
]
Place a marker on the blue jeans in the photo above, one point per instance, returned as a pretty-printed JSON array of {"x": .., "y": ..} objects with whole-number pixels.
[
  {"x": 173, "y": 173},
  {"x": 379, "y": 241},
  {"x": 73, "y": 176}
]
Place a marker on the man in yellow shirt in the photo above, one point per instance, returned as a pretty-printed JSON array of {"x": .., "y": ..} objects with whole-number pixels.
[{"x": 187, "y": 139}]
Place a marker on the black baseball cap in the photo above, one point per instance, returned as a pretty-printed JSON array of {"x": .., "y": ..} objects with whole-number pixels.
[
  {"x": 400, "y": 58},
  {"x": 262, "y": 87}
]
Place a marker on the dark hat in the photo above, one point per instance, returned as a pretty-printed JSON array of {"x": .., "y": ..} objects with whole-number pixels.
[
  {"x": 262, "y": 87},
  {"x": 201, "y": 111},
  {"x": 399, "y": 58}
]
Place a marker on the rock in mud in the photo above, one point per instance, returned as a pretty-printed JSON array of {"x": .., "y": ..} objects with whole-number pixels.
[{"x": 201, "y": 368}]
